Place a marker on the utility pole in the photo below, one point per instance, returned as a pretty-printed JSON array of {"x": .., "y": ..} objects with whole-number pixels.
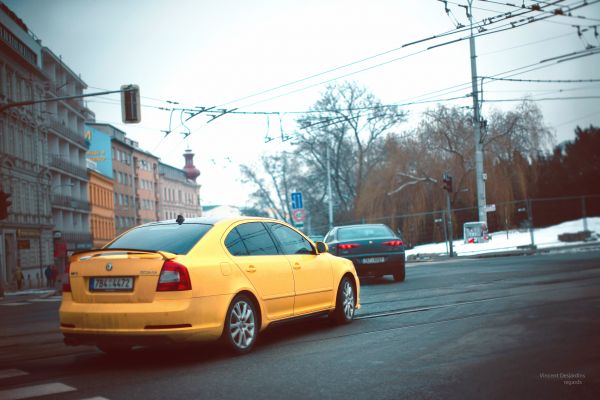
[
  {"x": 447, "y": 179},
  {"x": 329, "y": 199},
  {"x": 479, "y": 173}
]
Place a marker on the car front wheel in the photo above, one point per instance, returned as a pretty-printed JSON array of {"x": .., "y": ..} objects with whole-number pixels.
[
  {"x": 241, "y": 327},
  {"x": 345, "y": 302}
]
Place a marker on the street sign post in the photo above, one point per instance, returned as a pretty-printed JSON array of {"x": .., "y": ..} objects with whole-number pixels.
[
  {"x": 298, "y": 213},
  {"x": 297, "y": 200}
]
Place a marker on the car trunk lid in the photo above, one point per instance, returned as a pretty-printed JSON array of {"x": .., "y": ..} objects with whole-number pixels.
[
  {"x": 369, "y": 246},
  {"x": 116, "y": 275}
]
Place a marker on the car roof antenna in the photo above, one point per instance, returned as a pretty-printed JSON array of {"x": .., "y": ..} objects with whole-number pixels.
[{"x": 180, "y": 219}]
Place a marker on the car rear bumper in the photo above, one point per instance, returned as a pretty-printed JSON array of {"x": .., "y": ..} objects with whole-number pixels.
[
  {"x": 162, "y": 321},
  {"x": 392, "y": 264}
]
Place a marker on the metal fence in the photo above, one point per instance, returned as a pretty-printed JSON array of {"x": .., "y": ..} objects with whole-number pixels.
[{"x": 520, "y": 222}]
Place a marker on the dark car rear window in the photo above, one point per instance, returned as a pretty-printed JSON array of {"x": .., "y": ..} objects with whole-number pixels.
[
  {"x": 362, "y": 232},
  {"x": 173, "y": 238}
]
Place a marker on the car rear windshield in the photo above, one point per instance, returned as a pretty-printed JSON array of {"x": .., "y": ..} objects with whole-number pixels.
[
  {"x": 360, "y": 232},
  {"x": 173, "y": 238}
]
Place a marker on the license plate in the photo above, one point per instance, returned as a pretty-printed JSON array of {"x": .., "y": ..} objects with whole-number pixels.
[
  {"x": 373, "y": 260},
  {"x": 120, "y": 283}
]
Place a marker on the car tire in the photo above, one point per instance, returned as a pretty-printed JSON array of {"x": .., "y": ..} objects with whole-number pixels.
[
  {"x": 345, "y": 302},
  {"x": 241, "y": 325},
  {"x": 400, "y": 275}
]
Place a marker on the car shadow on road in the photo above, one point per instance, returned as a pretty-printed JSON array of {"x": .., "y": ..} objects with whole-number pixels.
[{"x": 173, "y": 356}]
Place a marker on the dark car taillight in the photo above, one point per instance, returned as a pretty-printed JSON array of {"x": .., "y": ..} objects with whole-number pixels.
[
  {"x": 173, "y": 277},
  {"x": 347, "y": 246},
  {"x": 394, "y": 243}
]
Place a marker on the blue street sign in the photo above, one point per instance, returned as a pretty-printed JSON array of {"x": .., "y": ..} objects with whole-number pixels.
[{"x": 297, "y": 200}]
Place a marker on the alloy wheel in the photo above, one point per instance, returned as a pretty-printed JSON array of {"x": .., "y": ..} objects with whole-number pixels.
[
  {"x": 242, "y": 326},
  {"x": 348, "y": 300}
]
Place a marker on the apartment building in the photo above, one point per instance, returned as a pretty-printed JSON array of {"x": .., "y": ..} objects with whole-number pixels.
[
  {"x": 67, "y": 147},
  {"x": 101, "y": 186},
  {"x": 26, "y": 235},
  {"x": 146, "y": 184},
  {"x": 135, "y": 178}
]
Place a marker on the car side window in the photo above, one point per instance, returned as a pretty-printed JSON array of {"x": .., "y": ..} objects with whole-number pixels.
[
  {"x": 257, "y": 240},
  {"x": 235, "y": 245},
  {"x": 291, "y": 241},
  {"x": 329, "y": 237}
]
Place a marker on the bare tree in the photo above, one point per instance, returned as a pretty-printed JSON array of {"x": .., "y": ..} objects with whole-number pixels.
[
  {"x": 273, "y": 181},
  {"x": 353, "y": 124}
]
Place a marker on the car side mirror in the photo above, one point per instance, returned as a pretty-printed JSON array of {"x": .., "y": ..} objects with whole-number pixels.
[{"x": 322, "y": 247}]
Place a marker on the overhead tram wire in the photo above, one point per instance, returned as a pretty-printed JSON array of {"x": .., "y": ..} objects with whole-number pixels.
[
  {"x": 505, "y": 27},
  {"x": 491, "y": 19},
  {"x": 527, "y": 44},
  {"x": 447, "y": 33},
  {"x": 354, "y": 72},
  {"x": 543, "y": 99},
  {"x": 543, "y": 80},
  {"x": 451, "y": 32},
  {"x": 374, "y": 66},
  {"x": 580, "y": 17},
  {"x": 520, "y": 23}
]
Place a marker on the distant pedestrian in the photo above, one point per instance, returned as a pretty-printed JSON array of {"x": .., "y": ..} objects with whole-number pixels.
[
  {"x": 19, "y": 277},
  {"x": 48, "y": 274},
  {"x": 53, "y": 275}
]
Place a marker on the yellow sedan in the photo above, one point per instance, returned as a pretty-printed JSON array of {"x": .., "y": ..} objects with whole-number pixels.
[{"x": 202, "y": 279}]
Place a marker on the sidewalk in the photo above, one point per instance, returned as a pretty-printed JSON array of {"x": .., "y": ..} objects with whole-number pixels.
[{"x": 27, "y": 294}]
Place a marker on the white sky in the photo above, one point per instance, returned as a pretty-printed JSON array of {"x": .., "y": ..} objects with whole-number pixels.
[{"x": 206, "y": 53}]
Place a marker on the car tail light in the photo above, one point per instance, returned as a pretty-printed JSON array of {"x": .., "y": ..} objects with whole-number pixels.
[
  {"x": 173, "y": 277},
  {"x": 66, "y": 287},
  {"x": 347, "y": 246},
  {"x": 394, "y": 243}
]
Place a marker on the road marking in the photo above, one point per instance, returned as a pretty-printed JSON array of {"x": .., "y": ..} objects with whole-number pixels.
[
  {"x": 35, "y": 391},
  {"x": 14, "y": 304},
  {"x": 10, "y": 373}
]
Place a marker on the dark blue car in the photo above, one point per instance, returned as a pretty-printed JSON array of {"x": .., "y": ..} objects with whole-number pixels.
[{"x": 374, "y": 249}]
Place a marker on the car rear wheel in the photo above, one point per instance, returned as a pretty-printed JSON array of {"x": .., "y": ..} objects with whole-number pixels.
[
  {"x": 345, "y": 302},
  {"x": 400, "y": 275},
  {"x": 241, "y": 327}
]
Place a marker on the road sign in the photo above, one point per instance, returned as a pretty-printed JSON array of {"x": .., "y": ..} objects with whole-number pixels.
[
  {"x": 297, "y": 200},
  {"x": 298, "y": 215}
]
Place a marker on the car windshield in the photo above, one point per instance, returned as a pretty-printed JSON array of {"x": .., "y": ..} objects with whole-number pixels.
[
  {"x": 363, "y": 232},
  {"x": 173, "y": 238}
]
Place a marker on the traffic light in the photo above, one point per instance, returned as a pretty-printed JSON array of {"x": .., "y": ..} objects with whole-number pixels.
[
  {"x": 4, "y": 204},
  {"x": 130, "y": 104},
  {"x": 447, "y": 183}
]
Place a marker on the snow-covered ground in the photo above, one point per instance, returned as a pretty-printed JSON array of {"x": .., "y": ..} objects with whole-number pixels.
[{"x": 511, "y": 240}]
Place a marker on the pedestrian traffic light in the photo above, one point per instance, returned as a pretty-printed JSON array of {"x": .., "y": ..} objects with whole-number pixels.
[
  {"x": 5, "y": 203},
  {"x": 130, "y": 104},
  {"x": 447, "y": 183}
]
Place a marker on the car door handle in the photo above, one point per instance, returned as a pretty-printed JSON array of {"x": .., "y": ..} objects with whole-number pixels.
[
  {"x": 297, "y": 266},
  {"x": 251, "y": 268}
]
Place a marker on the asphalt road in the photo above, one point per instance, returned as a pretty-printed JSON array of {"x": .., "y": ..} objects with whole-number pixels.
[{"x": 514, "y": 327}]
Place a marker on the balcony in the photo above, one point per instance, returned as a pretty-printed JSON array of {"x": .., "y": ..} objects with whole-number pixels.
[
  {"x": 70, "y": 202},
  {"x": 65, "y": 131},
  {"x": 58, "y": 162}
]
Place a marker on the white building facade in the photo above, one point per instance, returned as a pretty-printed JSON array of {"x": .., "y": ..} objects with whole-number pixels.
[{"x": 42, "y": 156}]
